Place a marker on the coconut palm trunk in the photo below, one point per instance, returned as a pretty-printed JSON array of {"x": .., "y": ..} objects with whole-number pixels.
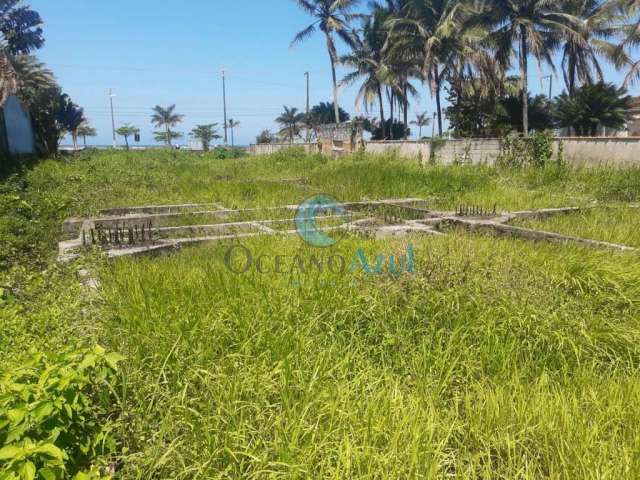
[
  {"x": 382, "y": 121},
  {"x": 332, "y": 56},
  {"x": 436, "y": 77},
  {"x": 524, "y": 80},
  {"x": 391, "y": 112},
  {"x": 405, "y": 108}
]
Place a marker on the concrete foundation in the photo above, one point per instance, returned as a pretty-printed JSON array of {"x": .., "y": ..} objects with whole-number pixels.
[{"x": 381, "y": 218}]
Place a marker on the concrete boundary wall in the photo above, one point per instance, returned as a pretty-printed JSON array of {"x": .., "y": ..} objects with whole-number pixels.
[
  {"x": 268, "y": 148},
  {"x": 590, "y": 152},
  {"x": 447, "y": 152}
]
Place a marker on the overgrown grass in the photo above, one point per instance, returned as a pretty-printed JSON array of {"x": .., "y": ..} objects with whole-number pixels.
[
  {"x": 497, "y": 359},
  {"x": 616, "y": 224}
]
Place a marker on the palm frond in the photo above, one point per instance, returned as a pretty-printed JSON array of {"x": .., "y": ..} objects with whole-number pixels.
[{"x": 303, "y": 35}]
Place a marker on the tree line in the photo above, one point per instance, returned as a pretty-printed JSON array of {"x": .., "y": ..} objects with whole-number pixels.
[{"x": 466, "y": 50}]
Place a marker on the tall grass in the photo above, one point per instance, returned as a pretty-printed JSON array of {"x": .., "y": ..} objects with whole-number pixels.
[
  {"x": 615, "y": 224},
  {"x": 497, "y": 359}
]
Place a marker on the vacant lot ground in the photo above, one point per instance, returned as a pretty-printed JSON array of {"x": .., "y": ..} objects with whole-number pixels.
[{"x": 497, "y": 358}]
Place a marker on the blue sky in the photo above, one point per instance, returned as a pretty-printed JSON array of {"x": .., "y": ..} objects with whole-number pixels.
[{"x": 152, "y": 52}]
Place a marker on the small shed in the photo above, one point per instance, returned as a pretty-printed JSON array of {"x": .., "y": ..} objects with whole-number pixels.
[
  {"x": 16, "y": 130},
  {"x": 339, "y": 139}
]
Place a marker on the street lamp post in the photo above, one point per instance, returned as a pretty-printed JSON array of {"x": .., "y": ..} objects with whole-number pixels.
[
  {"x": 113, "y": 120},
  {"x": 550, "y": 77}
]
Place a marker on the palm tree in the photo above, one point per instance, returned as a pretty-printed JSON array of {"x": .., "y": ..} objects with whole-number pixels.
[
  {"x": 166, "y": 137},
  {"x": 324, "y": 112},
  {"x": 205, "y": 133},
  {"x": 631, "y": 40},
  {"x": 39, "y": 93},
  {"x": 290, "y": 121},
  {"x": 366, "y": 58},
  {"x": 167, "y": 118},
  {"x": 592, "y": 106},
  {"x": 536, "y": 26},
  {"x": 32, "y": 77},
  {"x": 20, "y": 28},
  {"x": 422, "y": 120},
  {"x": 264, "y": 137},
  {"x": 85, "y": 131},
  {"x": 397, "y": 74},
  {"x": 331, "y": 17},
  {"x": 420, "y": 37},
  {"x": 231, "y": 123},
  {"x": 580, "y": 54},
  {"x": 126, "y": 131},
  {"x": 69, "y": 117}
]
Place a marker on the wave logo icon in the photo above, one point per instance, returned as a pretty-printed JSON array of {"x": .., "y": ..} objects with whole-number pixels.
[{"x": 314, "y": 210}]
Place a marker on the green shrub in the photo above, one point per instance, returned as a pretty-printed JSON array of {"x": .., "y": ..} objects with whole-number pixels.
[
  {"x": 55, "y": 416},
  {"x": 437, "y": 144},
  {"x": 535, "y": 151},
  {"x": 223, "y": 153}
]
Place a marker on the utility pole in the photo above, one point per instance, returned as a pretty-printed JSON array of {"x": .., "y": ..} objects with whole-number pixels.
[
  {"x": 113, "y": 120},
  {"x": 224, "y": 104},
  {"x": 306, "y": 74},
  {"x": 550, "y": 77}
]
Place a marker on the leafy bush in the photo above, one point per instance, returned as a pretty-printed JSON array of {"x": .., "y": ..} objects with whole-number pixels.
[
  {"x": 54, "y": 416},
  {"x": 535, "y": 151},
  {"x": 437, "y": 144},
  {"x": 222, "y": 153}
]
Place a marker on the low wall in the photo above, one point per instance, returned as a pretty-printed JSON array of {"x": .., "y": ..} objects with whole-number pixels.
[
  {"x": 267, "y": 148},
  {"x": 590, "y": 152},
  {"x": 447, "y": 152},
  {"x": 620, "y": 152},
  {"x": 419, "y": 150},
  {"x": 609, "y": 151}
]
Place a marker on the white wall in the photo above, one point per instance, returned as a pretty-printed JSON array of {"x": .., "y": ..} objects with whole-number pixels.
[
  {"x": 450, "y": 151},
  {"x": 610, "y": 151},
  {"x": 417, "y": 150},
  {"x": 18, "y": 128},
  {"x": 590, "y": 152},
  {"x": 267, "y": 148}
]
